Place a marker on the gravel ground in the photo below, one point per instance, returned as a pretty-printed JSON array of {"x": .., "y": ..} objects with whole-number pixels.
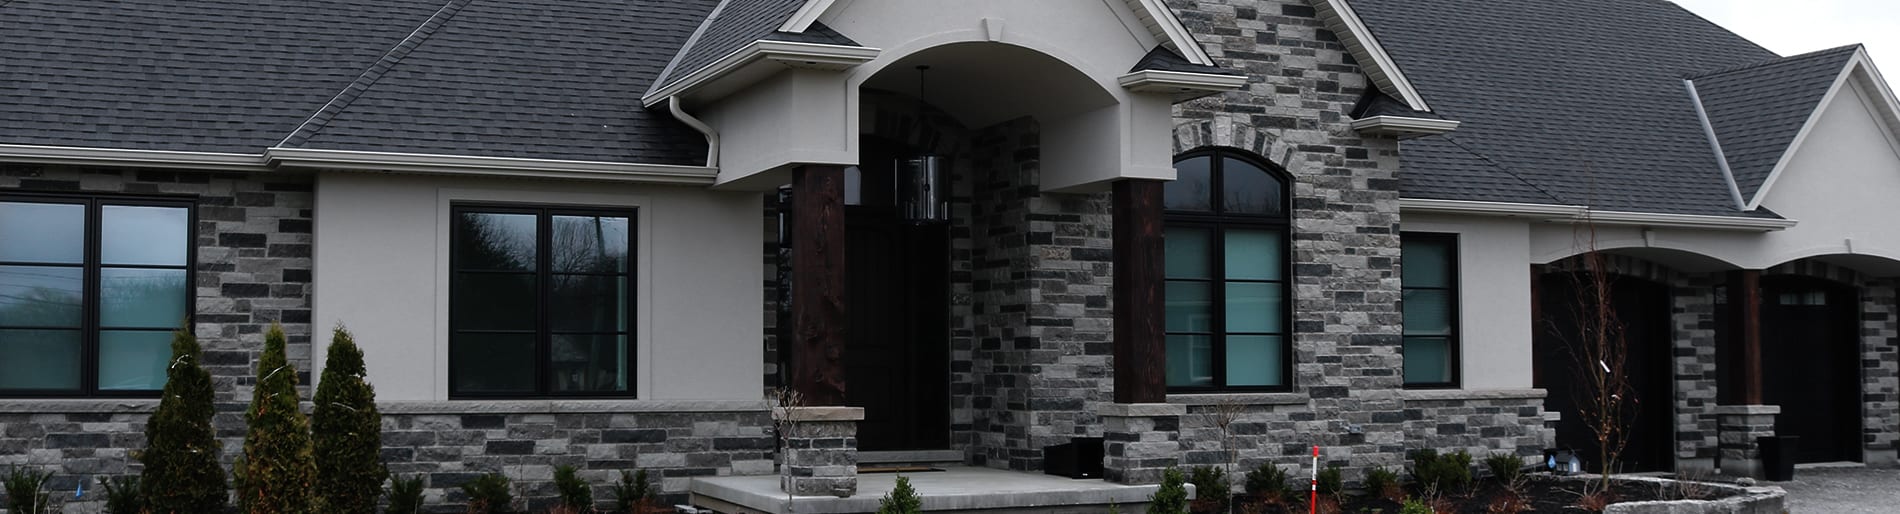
[{"x": 1843, "y": 491}]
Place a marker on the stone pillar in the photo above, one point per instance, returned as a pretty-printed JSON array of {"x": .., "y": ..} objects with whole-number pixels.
[
  {"x": 1140, "y": 440},
  {"x": 1739, "y": 426},
  {"x": 820, "y": 453}
]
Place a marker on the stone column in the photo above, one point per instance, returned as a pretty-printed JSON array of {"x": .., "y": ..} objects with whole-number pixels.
[
  {"x": 1740, "y": 426},
  {"x": 1140, "y": 440},
  {"x": 820, "y": 453}
]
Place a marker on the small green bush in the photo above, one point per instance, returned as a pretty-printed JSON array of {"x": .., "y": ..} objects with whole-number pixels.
[
  {"x": 1380, "y": 481},
  {"x": 1172, "y": 497},
  {"x": 1505, "y": 467},
  {"x": 901, "y": 500},
  {"x": 1211, "y": 485},
  {"x": 1332, "y": 480},
  {"x": 575, "y": 493},
  {"x": 1415, "y": 506},
  {"x": 122, "y": 495},
  {"x": 489, "y": 494},
  {"x": 405, "y": 495},
  {"x": 1431, "y": 471},
  {"x": 1268, "y": 481},
  {"x": 26, "y": 490},
  {"x": 632, "y": 491}
]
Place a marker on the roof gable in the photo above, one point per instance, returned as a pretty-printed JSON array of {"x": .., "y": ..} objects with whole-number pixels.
[
  {"x": 1365, "y": 48},
  {"x": 1755, "y": 111}
]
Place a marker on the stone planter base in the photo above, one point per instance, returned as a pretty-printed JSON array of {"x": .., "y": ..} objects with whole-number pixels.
[
  {"x": 1140, "y": 441},
  {"x": 821, "y": 450},
  {"x": 1739, "y": 426}
]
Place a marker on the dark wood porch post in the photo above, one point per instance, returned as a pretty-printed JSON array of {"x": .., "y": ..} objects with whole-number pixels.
[
  {"x": 1140, "y": 347},
  {"x": 818, "y": 283},
  {"x": 1742, "y": 348},
  {"x": 1537, "y": 323}
]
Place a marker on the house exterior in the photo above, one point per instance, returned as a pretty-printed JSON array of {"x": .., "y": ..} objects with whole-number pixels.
[{"x": 600, "y": 233}]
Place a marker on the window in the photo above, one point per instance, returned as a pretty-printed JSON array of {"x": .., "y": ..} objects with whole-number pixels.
[
  {"x": 540, "y": 302},
  {"x": 1227, "y": 274},
  {"x": 1430, "y": 281},
  {"x": 91, "y": 290}
]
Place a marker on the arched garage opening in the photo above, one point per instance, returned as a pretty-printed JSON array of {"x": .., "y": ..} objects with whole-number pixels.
[
  {"x": 1640, "y": 318},
  {"x": 1810, "y": 354}
]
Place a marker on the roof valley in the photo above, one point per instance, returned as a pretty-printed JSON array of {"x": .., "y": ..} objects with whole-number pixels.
[{"x": 321, "y": 118}]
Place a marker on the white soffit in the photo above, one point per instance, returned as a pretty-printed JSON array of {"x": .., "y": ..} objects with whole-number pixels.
[
  {"x": 1569, "y": 214},
  {"x": 1183, "y": 85},
  {"x": 1373, "y": 59},
  {"x": 1860, "y": 69},
  {"x": 1404, "y": 126}
]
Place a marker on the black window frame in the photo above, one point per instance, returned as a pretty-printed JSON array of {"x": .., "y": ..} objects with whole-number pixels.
[
  {"x": 1217, "y": 222},
  {"x": 1454, "y": 343},
  {"x": 90, "y": 326},
  {"x": 543, "y": 331}
]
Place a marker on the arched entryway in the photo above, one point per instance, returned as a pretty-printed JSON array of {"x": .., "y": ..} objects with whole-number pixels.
[
  {"x": 1642, "y": 309},
  {"x": 1811, "y": 364}
]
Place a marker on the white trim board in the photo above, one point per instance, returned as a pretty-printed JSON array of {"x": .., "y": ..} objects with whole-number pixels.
[
  {"x": 1155, "y": 14},
  {"x": 1365, "y": 48},
  {"x": 1581, "y": 214},
  {"x": 123, "y": 157},
  {"x": 790, "y": 53},
  {"x": 489, "y": 166},
  {"x": 1861, "y": 70},
  {"x": 1404, "y": 125}
]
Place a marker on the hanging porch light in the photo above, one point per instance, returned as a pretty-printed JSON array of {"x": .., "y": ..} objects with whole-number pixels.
[{"x": 922, "y": 195}]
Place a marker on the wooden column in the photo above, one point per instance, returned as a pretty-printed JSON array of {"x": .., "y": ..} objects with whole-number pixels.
[
  {"x": 1537, "y": 324},
  {"x": 1141, "y": 356},
  {"x": 1741, "y": 351},
  {"x": 818, "y": 285}
]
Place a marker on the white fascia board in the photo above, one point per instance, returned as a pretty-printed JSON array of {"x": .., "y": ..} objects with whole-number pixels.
[
  {"x": 1376, "y": 62},
  {"x": 121, "y": 157},
  {"x": 806, "y": 15},
  {"x": 791, "y": 53},
  {"x": 1580, "y": 214},
  {"x": 1176, "y": 82},
  {"x": 1174, "y": 32},
  {"x": 344, "y": 160},
  {"x": 1814, "y": 118},
  {"x": 1404, "y": 125}
]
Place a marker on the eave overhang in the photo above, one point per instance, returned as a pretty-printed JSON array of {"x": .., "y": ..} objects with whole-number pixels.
[
  {"x": 78, "y": 156},
  {"x": 1183, "y": 85},
  {"x": 429, "y": 164},
  {"x": 1403, "y": 126},
  {"x": 1575, "y": 214},
  {"x": 766, "y": 54}
]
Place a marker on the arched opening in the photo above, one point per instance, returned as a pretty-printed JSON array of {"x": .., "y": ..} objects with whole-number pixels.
[
  {"x": 1641, "y": 317},
  {"x": 1811, "y": 364}
]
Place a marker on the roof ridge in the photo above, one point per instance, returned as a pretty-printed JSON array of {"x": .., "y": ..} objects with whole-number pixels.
[
  {"x": 322, "y": 117},
  {"x": 1501, "y": 167},
  {"x": 1778, "y": 60}
]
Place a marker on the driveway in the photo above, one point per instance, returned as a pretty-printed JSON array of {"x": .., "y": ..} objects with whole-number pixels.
[{"x": 1843, "y": 491}]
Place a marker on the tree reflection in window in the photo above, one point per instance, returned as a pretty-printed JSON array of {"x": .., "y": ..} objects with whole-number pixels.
[{"x": 1228, "y": 274}]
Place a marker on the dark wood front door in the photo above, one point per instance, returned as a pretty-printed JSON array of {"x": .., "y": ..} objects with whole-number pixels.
[
  {"x": 1811, "y": 364},
  {"x": 897, "y": 349},
  {"x": 1642, "y": 308}
]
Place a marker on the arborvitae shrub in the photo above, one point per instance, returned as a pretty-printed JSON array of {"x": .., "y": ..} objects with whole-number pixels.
[
  {"x": 1431, "y": 471},
  {"x": 489, "y": 494},
  {"x": 346, "y": 430},
  {"x": 276, "y": 474},
  {"x": 1211, "y": 486},
  {"x": 26, "y": 492},
  {"x": 1505, "y": 467},
  {"x": 1384, "y": 483},
  {"x": 901, "y": 500},
  {"x": 182, "y": 474},
  {"x": 1332, "y": 480},
  {"x": 1171, "y": 498},
  {"x": 575, "y": 493},
  {"x": 123, "y": 495},
  {"x": 632, "y": 492},
  {"x": 405, "y": 495},
  {"x": 1268, "y": 482}
]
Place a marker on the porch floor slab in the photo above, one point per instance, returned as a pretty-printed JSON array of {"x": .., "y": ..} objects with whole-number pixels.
[{"x": 956, "y": 488}]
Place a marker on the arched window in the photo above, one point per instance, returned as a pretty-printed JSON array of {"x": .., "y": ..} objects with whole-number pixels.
[{"x": 1228, "y": 273}]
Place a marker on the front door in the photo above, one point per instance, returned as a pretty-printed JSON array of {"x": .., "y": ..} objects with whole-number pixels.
[
  {"x": 1810, "y": 356},
  {"x": 1642, "y": 308},
  {"x": 897, "y": 350}
]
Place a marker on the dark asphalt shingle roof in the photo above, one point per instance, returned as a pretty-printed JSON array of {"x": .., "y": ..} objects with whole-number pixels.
[
  {"x": 1380, "y": 104},
  {"x": 554, "y": 79},
  {"x": 1163, "y": 59},
  {"x": 732, "y": 26},
  {"x": 1758, "y": 109},
  {"x": 1582, "y": 101}
]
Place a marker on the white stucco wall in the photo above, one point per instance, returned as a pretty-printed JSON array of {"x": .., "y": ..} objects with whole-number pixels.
[
  {"x": 381, "y": 269},
  {"x": 1494, "y": 292}
]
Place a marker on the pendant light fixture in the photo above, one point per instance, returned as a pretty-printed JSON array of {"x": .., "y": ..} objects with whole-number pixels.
[{"x": 921, "y": 185}]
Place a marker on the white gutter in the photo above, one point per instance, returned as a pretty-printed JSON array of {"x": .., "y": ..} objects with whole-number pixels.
[
  {"x": 489, "y": 166},
  {"x": 120, "y": 157},
  {"x": 1721, "y": 158},
  {"x": 1180, "y": 82},
  {"x": 1404, "y": 125},
  {"x": 790, "y": 53},
  {"x": 712, "y": 136},
  {"x": 1581, "y": 214}
]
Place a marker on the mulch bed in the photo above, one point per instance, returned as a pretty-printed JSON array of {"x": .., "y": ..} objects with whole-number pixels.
[{"x": 1538, "y": 495}]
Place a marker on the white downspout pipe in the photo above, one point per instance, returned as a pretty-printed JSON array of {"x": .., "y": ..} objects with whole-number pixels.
[{"x": 712, "y": 136}]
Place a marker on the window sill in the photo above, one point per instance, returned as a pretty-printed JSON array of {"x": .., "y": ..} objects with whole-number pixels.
[
  {"x": 1239, "y": 399},
  {"x": 569, "y": 406},
  {"x": 1473, "y": 394},
  {"x": 81, "y": 406}
]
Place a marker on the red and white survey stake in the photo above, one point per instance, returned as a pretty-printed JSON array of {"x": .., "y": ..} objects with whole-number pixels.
[{"x": 1313, "y": 504}]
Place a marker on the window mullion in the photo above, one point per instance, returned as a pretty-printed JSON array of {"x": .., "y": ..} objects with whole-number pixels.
[
  {"x": 544, "y": 286},
  {"x": 90, "y": 282},
  {"x": 1218, "y": 272}
]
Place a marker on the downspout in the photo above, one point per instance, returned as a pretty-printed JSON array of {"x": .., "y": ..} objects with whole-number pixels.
[
  {"x": 712, "y": 136},
  {"x": 1721, "y": 159}
]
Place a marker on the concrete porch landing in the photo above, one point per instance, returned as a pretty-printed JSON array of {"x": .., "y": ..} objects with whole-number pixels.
[{"x": 957, "y": 488}]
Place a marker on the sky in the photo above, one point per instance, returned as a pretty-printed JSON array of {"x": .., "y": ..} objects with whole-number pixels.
[{"x": 1801, "y": 26}]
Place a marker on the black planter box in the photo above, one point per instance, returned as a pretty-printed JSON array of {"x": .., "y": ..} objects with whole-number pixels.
[
  {"x": 1081, "y": 457},
  {"x": 1778, "y": 456}
]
